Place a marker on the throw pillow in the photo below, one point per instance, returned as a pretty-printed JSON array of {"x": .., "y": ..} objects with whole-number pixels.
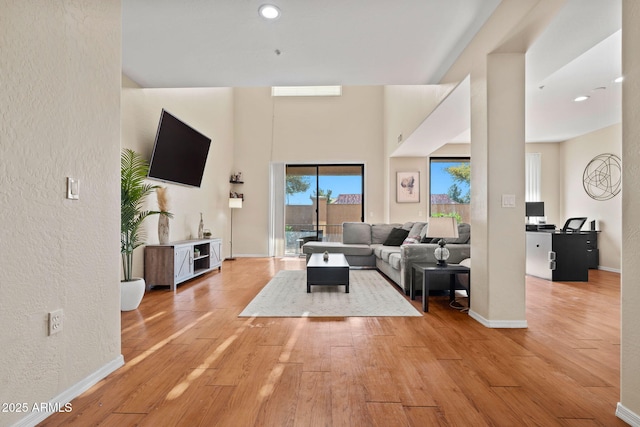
[
  {"x": 410, "y": 240},
  {"x": 396, "y": 237}
]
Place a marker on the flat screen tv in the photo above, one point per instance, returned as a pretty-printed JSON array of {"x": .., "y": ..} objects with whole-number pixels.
[
  {"x": 534, "y": 209},
  {"x": 179, "y": 152}
]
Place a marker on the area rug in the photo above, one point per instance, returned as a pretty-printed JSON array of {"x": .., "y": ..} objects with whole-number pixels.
[{"x": 369, "y": 295}]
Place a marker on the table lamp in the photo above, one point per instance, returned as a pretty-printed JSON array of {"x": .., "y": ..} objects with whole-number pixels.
[{"x": 442, "y": 228}]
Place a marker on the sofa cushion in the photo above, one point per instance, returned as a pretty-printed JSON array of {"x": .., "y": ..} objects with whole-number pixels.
[
  {"x": 336, "y": 247},
  {"x": 407, "y": 225},
  {"x": 380, "y": 232},
  {"x": 384, "y": 252},
  {"x": 396, "y": 237},
  {"x": 395, "y": 260},
  {"x": 423, "y": 232},
  {"x": 416, "y": 229},
  {"x": 356, "y": 233}
]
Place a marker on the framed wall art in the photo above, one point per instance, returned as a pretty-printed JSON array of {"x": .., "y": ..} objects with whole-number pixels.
[{"x": 408, "y": 187}]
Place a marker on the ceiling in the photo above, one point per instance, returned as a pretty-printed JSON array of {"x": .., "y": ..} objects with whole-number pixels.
[{"x": 225, "y": 43}]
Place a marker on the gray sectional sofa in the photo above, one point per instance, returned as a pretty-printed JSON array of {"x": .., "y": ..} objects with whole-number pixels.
[{"x": 363, "y": 246}]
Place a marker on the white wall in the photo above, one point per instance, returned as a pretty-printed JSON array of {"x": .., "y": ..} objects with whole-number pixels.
[
  {"x": 344, "y": 129},
  {"x": 60, "y": 118},
  {"x": 210, "y": 111},
  {"x": 575, "y": 154},
  {"x": 630, "y": 293},
  {"x": 405, "y": 108}
]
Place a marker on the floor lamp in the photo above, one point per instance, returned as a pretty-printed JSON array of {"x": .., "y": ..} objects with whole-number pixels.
[{"x": 234, "y": 203}]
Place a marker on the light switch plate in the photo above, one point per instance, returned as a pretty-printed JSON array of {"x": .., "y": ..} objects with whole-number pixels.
[
  {"x": 508, "y": 200},
  {"x": 73, "y": 188}
]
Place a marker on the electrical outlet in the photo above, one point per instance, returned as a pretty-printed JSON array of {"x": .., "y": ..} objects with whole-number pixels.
[{"x": 55, "y": 322}]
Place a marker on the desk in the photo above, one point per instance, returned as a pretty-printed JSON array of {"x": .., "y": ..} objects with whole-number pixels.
[
  {"x": 428, "y": 269},
  {"x": 563, "y": 257}
]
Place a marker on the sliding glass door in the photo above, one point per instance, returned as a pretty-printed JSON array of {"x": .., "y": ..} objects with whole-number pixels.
[{"x": 318, "y": 199}]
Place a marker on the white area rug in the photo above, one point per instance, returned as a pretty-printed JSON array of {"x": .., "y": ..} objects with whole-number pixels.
[{"x": 369, "y": 295}]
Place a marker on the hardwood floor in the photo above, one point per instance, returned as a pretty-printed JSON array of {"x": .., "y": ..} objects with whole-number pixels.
[{"x": 190, "y": 361}]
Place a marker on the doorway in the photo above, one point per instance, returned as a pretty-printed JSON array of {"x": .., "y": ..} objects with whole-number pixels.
[{"x": 318, "y": 199}]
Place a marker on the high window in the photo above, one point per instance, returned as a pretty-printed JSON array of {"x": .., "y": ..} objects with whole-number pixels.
[{"x": 450, "y": 187}]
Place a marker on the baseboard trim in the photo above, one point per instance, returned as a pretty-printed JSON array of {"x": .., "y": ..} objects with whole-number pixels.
[
  {"x": 612, "y": 270},
  {"x": 627, "y": 415},
  {"x": 72, "y": 392},
  {"x": 499, "y": 324},
  {"x": 247, "y": 256}
]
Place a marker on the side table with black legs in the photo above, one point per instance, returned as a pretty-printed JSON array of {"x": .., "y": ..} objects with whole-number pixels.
[{"x": 428, "y": 269}]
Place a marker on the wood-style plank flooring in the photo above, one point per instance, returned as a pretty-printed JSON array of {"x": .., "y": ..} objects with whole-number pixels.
[{"x": 190, "y": 361}]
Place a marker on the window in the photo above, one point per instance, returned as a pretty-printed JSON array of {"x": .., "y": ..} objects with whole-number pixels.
[
  {"x": 318, "y": 199},
  {"x": 533, "y": 167},
  {"x": 450, "y": 187}
]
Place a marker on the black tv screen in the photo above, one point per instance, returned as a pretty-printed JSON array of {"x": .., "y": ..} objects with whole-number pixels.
[
  {"x": 179, "y": 152},
  {"x": 534, "y": 209}
]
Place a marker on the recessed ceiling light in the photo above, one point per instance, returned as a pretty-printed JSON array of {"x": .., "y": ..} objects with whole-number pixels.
[
  {"x": 619, "y": 79},
  {"x": 269, "y": 11},
  {"x": 581, "y": 98}
]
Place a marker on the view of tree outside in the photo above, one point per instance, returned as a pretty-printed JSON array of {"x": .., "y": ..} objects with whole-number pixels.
[
  {"x": 461, "y": 175},
  {"x": 318, "y": 199},
  {"x": 296, "y": 184},
  {"x": 450, "y": 187}
]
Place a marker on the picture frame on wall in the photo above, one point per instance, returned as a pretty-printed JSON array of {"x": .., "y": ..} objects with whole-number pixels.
[{"x": 408, "y": 187}]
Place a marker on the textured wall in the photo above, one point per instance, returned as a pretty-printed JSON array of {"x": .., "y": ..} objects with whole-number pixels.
[{"x": 59, "y": 117}]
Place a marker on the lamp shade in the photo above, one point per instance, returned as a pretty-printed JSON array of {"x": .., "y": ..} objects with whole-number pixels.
[
  {"x": 235, "y": 203},
  {"x": 442, "y": 227}
]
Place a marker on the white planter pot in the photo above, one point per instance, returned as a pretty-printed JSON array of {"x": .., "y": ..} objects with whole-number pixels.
[{"x": 131, "y": 294}]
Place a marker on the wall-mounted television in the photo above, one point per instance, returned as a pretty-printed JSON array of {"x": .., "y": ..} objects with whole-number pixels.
[
  {"x": 179, "y": 152},
  {"x": 534, "y": 209}
]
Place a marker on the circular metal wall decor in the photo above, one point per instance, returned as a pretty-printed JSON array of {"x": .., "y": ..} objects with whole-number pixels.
[{"x": 602, "y": 178}]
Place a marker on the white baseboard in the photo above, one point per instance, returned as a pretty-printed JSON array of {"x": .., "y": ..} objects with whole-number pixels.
[
  {"x": 627, "y": 415},
  {"x": 72, "y": 392},
  {"x": 249, "y": 256},
  {"x": 613, "y": 270},
  {"x": 499, "y": 324}
]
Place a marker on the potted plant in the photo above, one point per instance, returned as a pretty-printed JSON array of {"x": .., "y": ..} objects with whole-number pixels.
[{"x": 133, "y": 192}]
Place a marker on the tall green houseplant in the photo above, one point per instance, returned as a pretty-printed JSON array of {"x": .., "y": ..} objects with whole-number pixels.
[{"x": 133, "y": 192}]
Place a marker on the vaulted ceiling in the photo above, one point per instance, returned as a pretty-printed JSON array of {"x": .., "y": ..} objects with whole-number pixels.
[{"x": 225, "y": 43}]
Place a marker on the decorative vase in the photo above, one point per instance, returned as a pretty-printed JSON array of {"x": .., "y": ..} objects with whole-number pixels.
[
  {"x": 131, "y": 294},
  {"x": 201, "y": 228},
  {"x": 325, "y": 256},
  {"x": 163, "y": 229}
]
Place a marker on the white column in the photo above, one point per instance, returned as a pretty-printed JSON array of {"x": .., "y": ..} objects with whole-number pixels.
[{"x": 497, "y": 159}]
